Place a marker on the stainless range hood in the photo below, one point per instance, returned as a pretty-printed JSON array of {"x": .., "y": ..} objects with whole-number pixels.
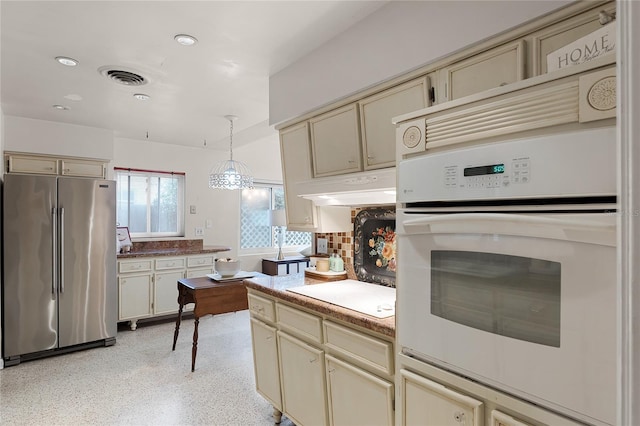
[{"x": 374, "y": 187}]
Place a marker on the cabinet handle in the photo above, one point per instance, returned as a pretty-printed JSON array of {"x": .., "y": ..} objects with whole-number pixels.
[
  {"x": 313, "y": 360},
  {"x": 331, "y": 370},
  {"x": 370, "y": 157},
  {"x": 459, "y": 417},
  {"x": 351, "y": 161},
  {"x": 269, "y": 337}
]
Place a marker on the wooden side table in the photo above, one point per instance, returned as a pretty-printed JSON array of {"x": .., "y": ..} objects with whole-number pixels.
[
  {"x": 286, "y": 266},
  {"x": 209, "y": 297}
]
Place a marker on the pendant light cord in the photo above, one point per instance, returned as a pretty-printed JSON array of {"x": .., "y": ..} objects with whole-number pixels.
[{"x": 231, "y": 139}]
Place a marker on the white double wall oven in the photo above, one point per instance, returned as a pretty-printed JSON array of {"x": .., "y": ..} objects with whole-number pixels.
[{"x": 507, "y": 268}]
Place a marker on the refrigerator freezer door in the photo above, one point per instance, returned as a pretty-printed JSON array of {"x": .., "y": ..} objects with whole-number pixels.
[
  {"x": 87, "y": 286},
  {"x": 29, "y": 299}
]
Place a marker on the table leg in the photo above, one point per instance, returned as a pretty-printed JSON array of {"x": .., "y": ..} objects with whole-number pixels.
[
  {"x": 194, "y": 349},
  {"x": 177, "y": 330}
]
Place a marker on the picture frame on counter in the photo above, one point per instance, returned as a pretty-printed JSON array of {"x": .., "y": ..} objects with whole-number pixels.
[{"x": 123, "y": 236}]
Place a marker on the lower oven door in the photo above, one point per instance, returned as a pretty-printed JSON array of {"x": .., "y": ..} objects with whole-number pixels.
[{"x": 522, "y": 302}]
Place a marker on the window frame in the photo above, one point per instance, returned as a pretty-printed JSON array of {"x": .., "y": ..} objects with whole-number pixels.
[
  {"x": 274, "y": 247},
  {"x": 180, "y": 196}
]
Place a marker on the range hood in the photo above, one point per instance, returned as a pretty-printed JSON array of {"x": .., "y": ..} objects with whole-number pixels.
[{"x": 368, "y": 188}]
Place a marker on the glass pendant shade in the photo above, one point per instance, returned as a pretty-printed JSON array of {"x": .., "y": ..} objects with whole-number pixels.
[{"x": 230, "y": 174}]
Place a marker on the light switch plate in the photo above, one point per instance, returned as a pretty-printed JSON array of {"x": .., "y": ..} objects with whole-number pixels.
[
  {"x": 192, "y": 209},
  {"x": 321, "y": 246}
]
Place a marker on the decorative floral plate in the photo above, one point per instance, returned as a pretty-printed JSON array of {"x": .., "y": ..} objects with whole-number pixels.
[{"x": 375, "y": 246}]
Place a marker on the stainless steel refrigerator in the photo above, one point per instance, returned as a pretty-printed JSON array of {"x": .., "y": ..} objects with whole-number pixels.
[{"x": 59, "y": 286}]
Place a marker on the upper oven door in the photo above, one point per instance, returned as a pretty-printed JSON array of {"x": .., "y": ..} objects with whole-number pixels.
[{"x": 524, "y": 302}]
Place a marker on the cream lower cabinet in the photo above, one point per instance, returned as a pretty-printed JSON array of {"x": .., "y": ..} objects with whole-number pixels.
[
  {"x": 265, "y": 361},
  {"x": 148, "y": 287},
  {"x": 428, "y": 403},
  {"x": 329, "y": 373},
  {"x": 357, "y": 397},
  {"x": 304, "y": 397}
]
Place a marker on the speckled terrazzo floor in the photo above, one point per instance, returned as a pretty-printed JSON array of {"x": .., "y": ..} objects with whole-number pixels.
[{"x": 140, "y": 381}]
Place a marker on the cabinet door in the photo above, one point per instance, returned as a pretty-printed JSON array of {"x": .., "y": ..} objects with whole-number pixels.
[
  {"x": 134, "y": 296},
  {"x": 87, "y": 168},
  {"x": 356, "y": 396},
  {"x": 296, "y": 167},
  {"x": 428, "y": 403},
  {"x": 376, "y": 112},
  {"x": 166, "y": 292},
  {"x": 304, "y": 398},
  {"x": 27, "y": 164},
  {"x": 555, "y": 36},
  {"x": 265, "y": 362},
  {"x": 496, "y": 67},
  {"x": 335, "y": 142}
]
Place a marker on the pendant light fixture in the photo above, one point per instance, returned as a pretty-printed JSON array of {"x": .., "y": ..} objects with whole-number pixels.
[{"x": 230, "y": 174}]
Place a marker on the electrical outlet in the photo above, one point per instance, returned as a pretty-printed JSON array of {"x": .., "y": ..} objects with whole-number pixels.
[
  {"x": 199, "y": 232},
  {"x": 321, "y": 247}
]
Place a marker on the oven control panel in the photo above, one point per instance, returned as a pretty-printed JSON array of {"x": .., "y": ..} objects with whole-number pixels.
[
  {"x": 574, "y": 163},
  {"x": 517, "y": 171}
]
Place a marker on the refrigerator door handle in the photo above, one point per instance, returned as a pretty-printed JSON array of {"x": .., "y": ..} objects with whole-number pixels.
[
  {"x": 61, "y": 229},
  {"x": 54, "y": 240}
]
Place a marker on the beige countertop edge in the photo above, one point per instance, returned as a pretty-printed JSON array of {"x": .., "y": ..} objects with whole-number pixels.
[
  {"x": 172, "y": 252},
  {"x": 271, "y": 286}
]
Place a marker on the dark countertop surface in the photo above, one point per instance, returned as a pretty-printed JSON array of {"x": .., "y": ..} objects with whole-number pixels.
[
  {"x": 277, "y": 286},
  {"x": 172, "y": 251}
]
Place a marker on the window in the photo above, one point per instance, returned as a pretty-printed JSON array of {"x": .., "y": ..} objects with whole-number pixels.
[
  {"x": 255, "y": 229},
  {"x": 150, "y": 203}
]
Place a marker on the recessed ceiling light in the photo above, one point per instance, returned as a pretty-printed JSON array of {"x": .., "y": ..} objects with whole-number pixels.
[
  {"x": 142, "y": 97},
  {"x": 61, "y": 107},
  {"x": 185, "y": 39},
  {"x": 70, "y": 62}
]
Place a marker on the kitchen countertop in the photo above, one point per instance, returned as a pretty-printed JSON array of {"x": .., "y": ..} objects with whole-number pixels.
[
  {"x": 175, "y": 251},
  {"x": 277, "y": 286}
]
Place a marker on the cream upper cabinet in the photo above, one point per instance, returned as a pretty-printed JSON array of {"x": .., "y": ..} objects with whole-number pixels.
[
  {"x": 558, "y": 35},
  {"x": 494, "y": 68},
  {"x": 335, "y": 142},
  {"x": 86, "y": 168},
  {"x": 428, "y": 403},
  {"x": 42, "y": 164},
  {"x": 376, "y": 112},
  {"x": 296, "y": 167},
  {"x": 357, "y": 397}
]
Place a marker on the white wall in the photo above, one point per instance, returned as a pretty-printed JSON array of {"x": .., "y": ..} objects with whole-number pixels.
[
  {"x": 395, "y": 39},
  {"x": 48, "y": 137}
]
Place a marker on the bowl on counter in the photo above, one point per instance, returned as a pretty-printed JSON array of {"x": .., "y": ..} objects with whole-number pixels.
[{"x": 227, "y": 267}]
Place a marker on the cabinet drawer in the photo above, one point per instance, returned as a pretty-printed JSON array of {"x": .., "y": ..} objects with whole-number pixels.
[
  {"x": 366, "y": 350},
  {"x": 194, "y": 261},
  {"x": 170, "y": 263},
  {"x": 202, "y": 272},
  {"x": 300, "y": 323},
  {"x": 135, "y": 266},
  {"x": 262, "y": 308}
]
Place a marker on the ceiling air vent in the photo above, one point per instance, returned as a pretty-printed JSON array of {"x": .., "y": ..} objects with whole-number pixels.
[{"x": 127, "y": 78}]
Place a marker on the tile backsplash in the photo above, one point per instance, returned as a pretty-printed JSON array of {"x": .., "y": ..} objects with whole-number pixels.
[{"x": 343, "y": 242}]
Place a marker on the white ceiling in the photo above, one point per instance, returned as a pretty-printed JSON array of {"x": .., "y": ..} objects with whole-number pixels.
[{"x": 240, "y": 44}]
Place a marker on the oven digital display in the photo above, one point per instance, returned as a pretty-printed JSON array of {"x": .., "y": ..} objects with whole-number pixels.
[{"x": 484, "y": 170}]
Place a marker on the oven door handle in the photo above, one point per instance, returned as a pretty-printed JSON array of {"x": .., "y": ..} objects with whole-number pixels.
[{"x": 580, "y": 230}]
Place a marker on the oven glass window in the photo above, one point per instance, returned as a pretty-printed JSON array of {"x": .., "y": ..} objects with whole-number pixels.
[{"x": 512, "y": 296}]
